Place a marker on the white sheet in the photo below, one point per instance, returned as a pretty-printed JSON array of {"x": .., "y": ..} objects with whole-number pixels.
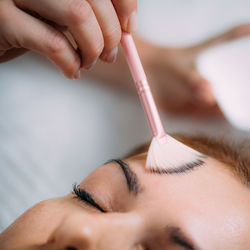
[{"x": 54, "y": 131}]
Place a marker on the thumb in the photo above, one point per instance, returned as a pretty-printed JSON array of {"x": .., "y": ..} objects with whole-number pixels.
[{"x": 127, "y": 13}]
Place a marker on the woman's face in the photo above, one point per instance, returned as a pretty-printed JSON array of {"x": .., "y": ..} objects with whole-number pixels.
[{"x": 207, "y": 208}]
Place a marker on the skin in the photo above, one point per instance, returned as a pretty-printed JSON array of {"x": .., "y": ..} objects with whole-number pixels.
[
  {"x": 39, "y": 25},
  {"x": 209, "y": 205}
]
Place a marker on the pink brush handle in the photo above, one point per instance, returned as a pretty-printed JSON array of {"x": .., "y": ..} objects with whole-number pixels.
[{"x": 142, "y": 86}]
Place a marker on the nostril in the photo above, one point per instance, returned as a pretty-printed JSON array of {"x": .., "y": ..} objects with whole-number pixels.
[{"x": 71, "y": 248}]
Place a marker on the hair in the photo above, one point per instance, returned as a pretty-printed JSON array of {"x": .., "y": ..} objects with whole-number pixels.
[{"x": 233, "y": 155}]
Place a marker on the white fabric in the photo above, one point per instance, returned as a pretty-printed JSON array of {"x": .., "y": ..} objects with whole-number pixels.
[
  {"x": 54, "y": 131},
  {"x": 227, "y": 67}
]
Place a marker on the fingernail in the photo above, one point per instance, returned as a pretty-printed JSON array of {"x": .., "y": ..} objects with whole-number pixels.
[
  {"x": 90, "y": 66},
  {"x": 111, "y": 56},
  {"x": 132, "y": 22},
  {"x": 77, "y": 74}
]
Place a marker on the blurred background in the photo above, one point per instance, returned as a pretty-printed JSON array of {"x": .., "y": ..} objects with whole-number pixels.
[{"x": 54, "y": 131}]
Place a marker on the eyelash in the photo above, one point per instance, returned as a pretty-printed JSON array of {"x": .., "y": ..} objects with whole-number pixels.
[{"x": 84, "y": 196}]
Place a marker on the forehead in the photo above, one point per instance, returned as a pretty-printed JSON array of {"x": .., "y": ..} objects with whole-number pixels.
[
  {"x": 207, "y": 183},
  {"x": 209, "y": 198}
]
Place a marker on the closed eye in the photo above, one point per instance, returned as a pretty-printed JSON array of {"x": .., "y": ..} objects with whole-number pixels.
[{"x": 86, "y": 197}]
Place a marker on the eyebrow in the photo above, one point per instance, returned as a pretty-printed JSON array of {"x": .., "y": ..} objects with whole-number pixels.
[{"x": 131, "y": 177}]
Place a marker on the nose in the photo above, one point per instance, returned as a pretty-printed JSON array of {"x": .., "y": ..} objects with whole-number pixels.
[{"x": 98, "y": 231}]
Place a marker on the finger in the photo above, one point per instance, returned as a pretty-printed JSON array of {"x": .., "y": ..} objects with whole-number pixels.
[
  {"x": 200, "y": 89},
  {"x": 205, "y": 111},
  {"x": 205, "y": 92},
  {"x": 230, "y": 35},
  {"x": 110, "y": 26},
  {"x": 80, "y": 19},
  {"x": 11, "y": 54},
  {"x": 33, "y": 34},
  {"x": 127, "y": 13}
]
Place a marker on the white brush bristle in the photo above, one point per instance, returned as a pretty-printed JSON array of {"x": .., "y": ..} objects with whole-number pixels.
[{"x": 169, "y": 154}]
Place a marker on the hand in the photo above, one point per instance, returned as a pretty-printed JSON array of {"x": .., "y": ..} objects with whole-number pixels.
[
  {"x": 71, "y": 33},
  {"x": 175, "y": 81}
]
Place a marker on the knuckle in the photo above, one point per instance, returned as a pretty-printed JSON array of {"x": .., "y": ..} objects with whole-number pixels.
[
  {"x": 96, "y": 50},
  {"x": 55, "y": 43},
  {"x": 112, "y": 38},
  {"x": 79, "y": 11}
]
